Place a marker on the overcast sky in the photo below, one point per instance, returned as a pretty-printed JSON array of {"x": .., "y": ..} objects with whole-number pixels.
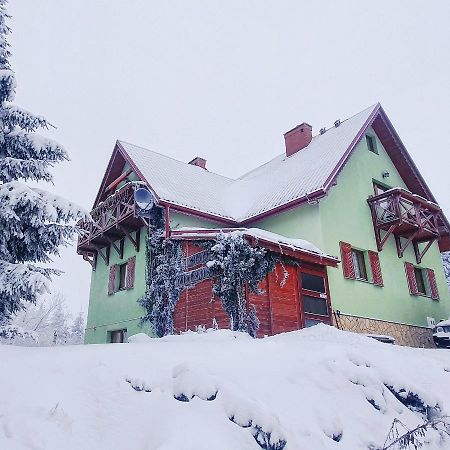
[{"x": 224, "y": 80}]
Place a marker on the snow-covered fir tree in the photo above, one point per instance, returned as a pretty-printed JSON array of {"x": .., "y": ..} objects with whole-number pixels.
[
  {"x": 77, "y": 329},
  {"x": 234, "y": 264},
  {"x": 59, "y": 325},
  {"x": 33, "y": 222}
]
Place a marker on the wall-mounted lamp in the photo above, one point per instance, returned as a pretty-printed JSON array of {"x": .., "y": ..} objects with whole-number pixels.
[{"x": 385, "y": 174}]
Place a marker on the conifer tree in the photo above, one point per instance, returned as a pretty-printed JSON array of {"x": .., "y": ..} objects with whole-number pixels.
[
  {"x": 33, "y": 222},
  {"x": 77, "y": 329}
]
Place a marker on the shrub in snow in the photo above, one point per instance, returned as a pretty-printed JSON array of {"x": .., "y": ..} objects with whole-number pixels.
[
  {"x": 234, "y": 264},
  {"x": 50, "y": 322},
  {"x": 34, "y": 223}
]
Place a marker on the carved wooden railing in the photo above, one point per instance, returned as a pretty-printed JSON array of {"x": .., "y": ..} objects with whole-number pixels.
[
  {"x": 107, "y": 215},
  {"x": 407, "y": 216}
]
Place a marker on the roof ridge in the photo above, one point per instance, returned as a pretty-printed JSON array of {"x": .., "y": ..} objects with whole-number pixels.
[
  {"x": 371, "y": 107},
  {"x": 173, "y": 159}
]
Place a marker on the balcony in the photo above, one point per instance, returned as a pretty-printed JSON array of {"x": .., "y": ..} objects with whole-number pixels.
[
  {"x": 411, "y": 219},
  {"x": 112, "y": 221}
]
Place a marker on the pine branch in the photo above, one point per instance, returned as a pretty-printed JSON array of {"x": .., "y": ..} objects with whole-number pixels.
[{"x": 412, "y": 438}]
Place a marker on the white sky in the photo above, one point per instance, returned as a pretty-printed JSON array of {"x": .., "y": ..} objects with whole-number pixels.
[{"x": 224, "y": 80}]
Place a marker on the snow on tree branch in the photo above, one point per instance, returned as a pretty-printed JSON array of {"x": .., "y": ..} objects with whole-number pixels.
[{"x": 34, "y": 223}]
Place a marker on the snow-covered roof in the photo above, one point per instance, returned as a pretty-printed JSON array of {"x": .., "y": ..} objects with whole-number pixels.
[
  {"x": 282, "y": 242},
  {"x": 180, "y": 183},
  {"x": 276, "y": 183}
]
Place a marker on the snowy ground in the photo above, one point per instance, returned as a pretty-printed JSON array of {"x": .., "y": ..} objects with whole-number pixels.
[{"x": 314, "y": 389}]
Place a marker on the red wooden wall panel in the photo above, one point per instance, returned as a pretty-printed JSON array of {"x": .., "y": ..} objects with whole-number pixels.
[
  {"x": 284, "y": 298},
  {"x": 262, "y": 306}
]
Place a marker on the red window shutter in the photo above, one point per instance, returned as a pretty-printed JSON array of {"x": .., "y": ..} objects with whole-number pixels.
[
  {"x": 410, "y": 276},
  {"x": 112, "y": 279},
  {"x": 130, "y": 272},
  {"x": 376, "y": 268},
  {"x": 433, "y": 284},
  {"x": 347, "y": 260}
]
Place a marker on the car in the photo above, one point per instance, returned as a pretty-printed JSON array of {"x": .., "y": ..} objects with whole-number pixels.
[{"x": 441, "y": 334}]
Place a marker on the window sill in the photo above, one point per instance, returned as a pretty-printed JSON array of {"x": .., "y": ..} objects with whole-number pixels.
[
  {"x": 362, "y": 280},
  {"x": 425, "y": 296}
]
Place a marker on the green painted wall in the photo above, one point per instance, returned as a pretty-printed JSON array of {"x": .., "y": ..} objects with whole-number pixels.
[
  {"x": 344, "y": 215},
  {"x": 120, "y": 310},
  {"x": 304, "y": 222}
]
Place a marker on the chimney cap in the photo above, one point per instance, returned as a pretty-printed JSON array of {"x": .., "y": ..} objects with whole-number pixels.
[
  {"x": 197, "y": 161},
  {"x": 304, "y": 124}
]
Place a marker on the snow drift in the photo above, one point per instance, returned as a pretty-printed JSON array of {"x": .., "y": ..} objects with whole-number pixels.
[{"x": 318, "y": 388}]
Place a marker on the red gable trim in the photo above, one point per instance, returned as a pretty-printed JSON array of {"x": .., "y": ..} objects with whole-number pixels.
[
  {"x": 113, "y": 169},
  {"x": 173, "y": 206},
  {"x": 136, "y": 169},
  {"x": 340, "y": 165}
]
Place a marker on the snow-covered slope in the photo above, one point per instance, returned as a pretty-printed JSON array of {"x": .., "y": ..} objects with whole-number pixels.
[{"x": 313, "y": 389}]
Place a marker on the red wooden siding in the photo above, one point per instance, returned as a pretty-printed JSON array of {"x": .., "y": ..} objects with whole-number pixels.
[
  {"x": 278, "y": 307},
  {"x": 130, "y": 272},
  {"x": 376, "y": 268},
  {"x": 433, "y": 284},
  {"x": 284, "y": 299},
  {"x": 412, "y": 283},
  {"x": 263, "y": 310},
  {"x": 112, "y": 279},
  {"x": 347, "y": 260}
]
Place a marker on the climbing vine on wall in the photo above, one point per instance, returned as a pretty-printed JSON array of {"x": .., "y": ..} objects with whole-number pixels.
[
  {"x": 235, "y": 264},
  {"x": 164, "y": 263}
]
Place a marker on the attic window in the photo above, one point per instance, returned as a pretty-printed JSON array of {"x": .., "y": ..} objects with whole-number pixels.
[{"x": 371, "y": 143}]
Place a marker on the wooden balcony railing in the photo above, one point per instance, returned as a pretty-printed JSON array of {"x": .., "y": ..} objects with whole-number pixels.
[
  {"x": 112, "y": 220},
  {"x": 411, "y": 219}
]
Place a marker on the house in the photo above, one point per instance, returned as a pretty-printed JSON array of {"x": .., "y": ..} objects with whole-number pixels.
[{"x": 352, "y": 190}]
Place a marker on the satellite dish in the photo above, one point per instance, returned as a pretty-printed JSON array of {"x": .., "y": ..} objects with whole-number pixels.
[{"x": 144, "y": 199}]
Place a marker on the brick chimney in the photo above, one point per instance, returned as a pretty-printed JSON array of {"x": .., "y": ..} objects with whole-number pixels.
[
  {"x": 197, "y": 161},
  {"x": 297, "y": 138}
]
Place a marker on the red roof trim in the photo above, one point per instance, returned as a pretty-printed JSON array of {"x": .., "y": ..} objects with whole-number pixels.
[
  {"x": 112, "y": 162},
  {"x": 340, "y": 165}
]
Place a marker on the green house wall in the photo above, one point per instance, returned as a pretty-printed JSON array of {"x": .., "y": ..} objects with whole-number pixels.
[
  {"x": 344, "y": 215},
  {"x": 120, "y": 310}
]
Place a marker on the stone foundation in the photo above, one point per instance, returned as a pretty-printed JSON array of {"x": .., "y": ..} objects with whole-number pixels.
[{"x": 409, "y": 335}]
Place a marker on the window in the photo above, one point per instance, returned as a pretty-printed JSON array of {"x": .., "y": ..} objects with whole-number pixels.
[
  {"x": 117, "y": 336},
  {"x": 121, "y": 276},
  {"x": 313, "y": 283},
  {"x": 359, "y": 264},
  {"x": 420, "y": 281},
  {"x": 315, "y": 305},
  {"x": 379, "y": 188},
  {"x": 371, "y": 143},
  {"x": 123, "y": 269}
]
